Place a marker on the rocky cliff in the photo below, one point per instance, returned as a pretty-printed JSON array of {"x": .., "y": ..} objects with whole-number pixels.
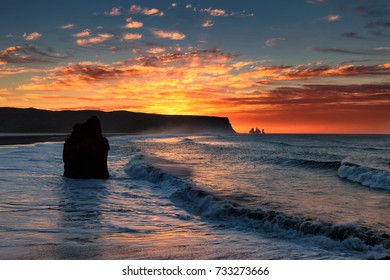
[{"x": 15, "y": 120}]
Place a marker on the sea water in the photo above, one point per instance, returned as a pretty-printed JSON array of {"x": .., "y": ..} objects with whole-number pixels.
[{"x": 202, "y": 197}]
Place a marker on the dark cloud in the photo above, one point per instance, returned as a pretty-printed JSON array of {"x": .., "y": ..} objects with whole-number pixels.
[
  {"x": 378, "y": 33},
  {"x": 352, "y": 35},
  {"x": 316, "y": 1},
  {"x": 337, "y": 50},
  {"x": 28, "y": 54},
  {"x": 377, "y": 8},
  {"x": 272, "y": 74},
  {"x": 379, "y": 24},
  {"x": 182, "y": 58},
  {"x": 355, "y": 61},
  {"x": 322, "y": 94},
  {"x": 373, "y": 10},
  {"x": 93, "y": 71},
  {"x": 376, "y": 51},
  {"x": 50, "y": 52},
  {"x": 362, "y": 92},
  {"x": 153, "y": 44}
]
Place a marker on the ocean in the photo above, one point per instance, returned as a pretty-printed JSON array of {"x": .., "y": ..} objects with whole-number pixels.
[{"x": 202, "y": 197}]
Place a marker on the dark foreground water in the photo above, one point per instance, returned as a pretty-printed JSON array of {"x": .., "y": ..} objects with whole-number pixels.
[{"x": 202, "y": 197}]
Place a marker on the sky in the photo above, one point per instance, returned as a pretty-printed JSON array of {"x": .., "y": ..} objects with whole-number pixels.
[{"x": 288, "y": 66}]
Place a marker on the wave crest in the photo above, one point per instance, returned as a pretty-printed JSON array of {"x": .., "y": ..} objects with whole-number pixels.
[
  {"x": 366, "y": 176},
  {"x": 316, "y": 164}
]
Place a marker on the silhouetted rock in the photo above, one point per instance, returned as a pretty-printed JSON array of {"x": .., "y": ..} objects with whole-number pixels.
[
  {"x": 257, "y": 131},
  {"x": 85, "y": 151}
]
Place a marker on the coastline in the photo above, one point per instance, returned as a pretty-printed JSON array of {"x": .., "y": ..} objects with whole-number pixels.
[{"x": 30, "y": 139}]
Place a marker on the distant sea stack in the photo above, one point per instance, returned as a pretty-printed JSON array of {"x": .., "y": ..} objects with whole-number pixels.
[
  {"x": 15, "y": 120},
  {"x": 256, "y": 131}
]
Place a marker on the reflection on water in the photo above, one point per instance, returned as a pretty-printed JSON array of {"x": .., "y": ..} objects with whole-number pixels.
[
  {"x": 120, "y": 218},
  {"x": 80, "y": 206}
]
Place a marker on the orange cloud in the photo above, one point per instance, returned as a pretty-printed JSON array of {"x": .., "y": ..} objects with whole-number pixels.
[
  {"x": 32, "y": 36},
  {"x": 11, "y": 50},
  {"x": 332, "y": 18},
  {"x": 131, "y": 36},
  {"x": 68, "y": 26},
  {"x": 133, "y": 24},
  {"x": 8, "y": 71},
  {"x": 114, "y": 12},
  {"x": 172, "y": 35},
  {"x": 153, "y": 11},
  {"x": 4, "y": 92},
  {"x": 84, "y": 33},
  {"x": 208, "y": 23},
  {"x": 221, "y": 12},
  {"x": 94, "y": 40},
  {"x": 76, "y": 76},
  {"x": 156, "y": 50},
  {"x": 166, "y": 71},
  {"x": 301, "y": 72},
  {"x": 191, "y": 70},
  {"x": 215, "y": 12},
  {"x": 135, "y": 9}
]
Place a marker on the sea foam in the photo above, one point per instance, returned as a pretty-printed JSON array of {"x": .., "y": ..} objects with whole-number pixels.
[{"x": 366, "y": 176}]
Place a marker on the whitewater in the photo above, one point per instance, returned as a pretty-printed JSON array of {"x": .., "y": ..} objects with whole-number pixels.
[{"x": 201, "y": 197}]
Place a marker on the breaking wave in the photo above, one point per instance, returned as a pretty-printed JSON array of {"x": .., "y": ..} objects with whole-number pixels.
[
  {"x": 367, "y": 176},
  {"x": 189, "y": 196}
]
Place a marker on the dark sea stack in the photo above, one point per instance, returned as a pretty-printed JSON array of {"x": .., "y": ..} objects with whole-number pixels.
[{"x": 85, "y": 152}]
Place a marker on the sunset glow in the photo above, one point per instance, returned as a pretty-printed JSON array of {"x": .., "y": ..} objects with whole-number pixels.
[{"x": 285, "y": 66}]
